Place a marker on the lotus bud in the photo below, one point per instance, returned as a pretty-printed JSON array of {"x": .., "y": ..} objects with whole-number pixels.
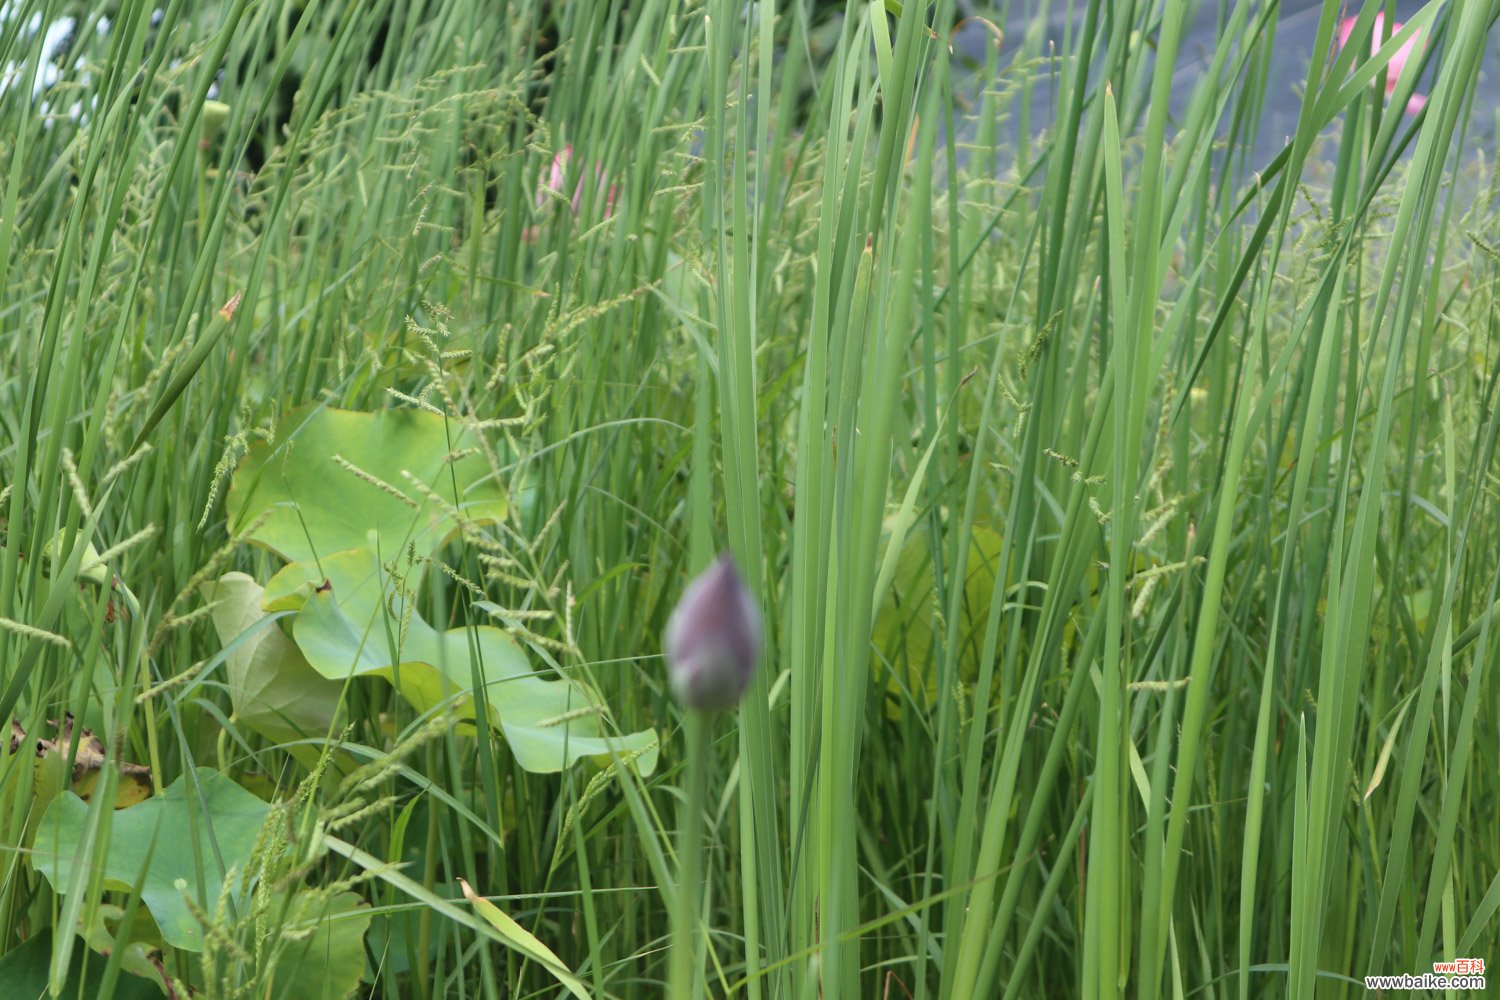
[{"x": 713, "y": 640}]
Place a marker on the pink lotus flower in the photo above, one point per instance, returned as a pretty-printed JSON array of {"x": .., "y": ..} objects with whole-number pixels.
[
  {"x": 1398, "y": 61},
  {"x": 555, "y": 179}
]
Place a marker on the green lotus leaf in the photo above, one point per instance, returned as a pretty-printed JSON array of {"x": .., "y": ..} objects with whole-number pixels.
[
  {"x": 271, "y": 686},
  {"x": 327, "y": 955},
  {"x": 102, "y": 927},
  {"x": 354, "y": 618},
  {"x": 331, "y": 477},
  {"x": 25, "y": 968},
  {"x": 904, "y": 636},
  {"x": 222, "y": 825}
]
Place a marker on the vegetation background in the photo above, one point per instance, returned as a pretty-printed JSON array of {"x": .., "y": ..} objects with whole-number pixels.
[{"x": 1120, "y": 500}]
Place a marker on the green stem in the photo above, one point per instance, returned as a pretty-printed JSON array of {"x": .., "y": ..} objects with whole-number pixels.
[{"x": 685, "y": 937}]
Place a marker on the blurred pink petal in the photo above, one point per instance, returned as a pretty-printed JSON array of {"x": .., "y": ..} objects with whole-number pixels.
[
  {"x": 555, "y": 179},
  {"x": 1398, "y": 61}
]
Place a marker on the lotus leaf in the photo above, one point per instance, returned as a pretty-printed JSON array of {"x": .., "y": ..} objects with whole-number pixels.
[
  {"x": 271, "y": 686},
  {"x": 903, "y": 634},
  {"x": 226, "y": 821},
  {"x": 327, "y": 963},
  {"x": 356, "y": 619},
  {"x": 331, "y": 477}
]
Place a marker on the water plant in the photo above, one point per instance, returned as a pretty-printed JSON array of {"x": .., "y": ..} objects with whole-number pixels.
[{"x": 1099, "y": 406}]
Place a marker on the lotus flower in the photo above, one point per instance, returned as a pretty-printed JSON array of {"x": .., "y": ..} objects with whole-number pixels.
[
  {"x": 713, "y": 640},
  {"x": 555, "y": 179},
  {"x": 1398, "y": 61}
]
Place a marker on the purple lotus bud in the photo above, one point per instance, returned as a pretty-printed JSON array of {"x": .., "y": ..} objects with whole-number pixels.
[{"x": 713, "y": 640}]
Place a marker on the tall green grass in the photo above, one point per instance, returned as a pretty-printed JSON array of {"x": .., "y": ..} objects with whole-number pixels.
[{"x": 1121, "y": 505}]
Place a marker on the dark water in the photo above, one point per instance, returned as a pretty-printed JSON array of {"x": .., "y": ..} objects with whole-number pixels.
[{"x": 1291, "y": 56}]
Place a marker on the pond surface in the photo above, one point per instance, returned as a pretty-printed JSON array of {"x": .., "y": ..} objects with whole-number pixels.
[{"x": 1292, "y": 54}]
